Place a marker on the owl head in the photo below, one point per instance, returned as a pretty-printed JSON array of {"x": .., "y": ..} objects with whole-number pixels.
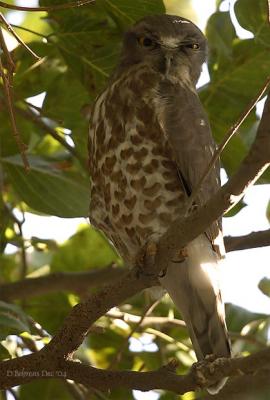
[{"x": 170, "y": 44}]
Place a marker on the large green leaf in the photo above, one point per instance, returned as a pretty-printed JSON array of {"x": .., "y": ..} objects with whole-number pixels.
[
  {"x": 33, "y": 77},
  {"x": 12, "y": 320},
  {"x": 47, "y": 389},
  {"x": 8, "y": 145},
  {"x": 238, "y": 317},
  {"x": 63, "y": 103},
  {"x": 125, "y": 9},
  {"x": 47, "y": 189},
  {"x": 231, "y": 91},
  {"x": 4, "y": 354},
  {"x": 253, "y": 16},
  {"x": 50, "y": 310},
  {"x": 85, "y": 250},
  {"x": 220, "y": 33}
]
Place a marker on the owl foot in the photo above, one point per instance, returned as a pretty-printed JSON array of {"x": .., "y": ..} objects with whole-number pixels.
[
  {"x": 205, "y": 373},
  {"x": 172, "y": 365},
  {"x": 145, "y": 260},
  {"x": 180, "y": 256}
]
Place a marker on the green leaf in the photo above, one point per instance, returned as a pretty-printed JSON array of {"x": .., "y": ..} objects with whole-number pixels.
[
  {"x": 12, "y": 320},
  {"x": 49, "y": 310},
  {"x": 231, "y": 91},
  {"x": 264, "y": 286},
  {"x": 102, "y": 349},
  {"x": 253, "y": 16},
  {"x": 220, "y": 32},
  {"x": 47, "y": 189},
  {"x": 8, "y": 270},
  {"x": 33, "y": 78},
  {"x": 46, "y": 389},
  {"x": 238, "y": 317},
  {"x": 268, "y": 211},
  {"x": 8, "y": 145},
  {"x": 126, "y": 11},
  {"x": 85, "y": 250},
  {"x": 235, "y": 210},
  {"x": 63, "y": 103},
  {"x": 4, "y": 354}
]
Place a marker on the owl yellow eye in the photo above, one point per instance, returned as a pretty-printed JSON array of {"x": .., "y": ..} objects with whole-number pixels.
[
  {"x": 193, "y": 46},
  {"x": 145, "y": 41}
]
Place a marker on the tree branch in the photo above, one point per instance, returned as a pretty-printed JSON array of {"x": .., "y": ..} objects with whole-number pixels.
[
  {"x": 252, "y": 240},
  {"x": 79, "y": 282},
  {"x": 46, "y": 365}
]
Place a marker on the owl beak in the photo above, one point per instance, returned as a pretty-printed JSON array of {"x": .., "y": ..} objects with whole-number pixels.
[{"x": 168, "y": 62}]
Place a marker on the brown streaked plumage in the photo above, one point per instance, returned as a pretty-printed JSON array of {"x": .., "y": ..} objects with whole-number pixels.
[{"x": 149, "y": 143}]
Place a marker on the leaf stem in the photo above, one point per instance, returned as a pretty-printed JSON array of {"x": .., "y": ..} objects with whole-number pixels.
[
  {"x": 17, "y": 37},
  {"x": 7, "y": 78}
]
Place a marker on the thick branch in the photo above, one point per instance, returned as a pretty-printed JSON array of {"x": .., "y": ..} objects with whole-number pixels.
[
  {"x": 42, "y": 365},
  {"x": 78, "y": 282},
  {"x": 252, "y": 240},
  {"x": 81, "y": 282},
  {"x": 83, "y": 315}
]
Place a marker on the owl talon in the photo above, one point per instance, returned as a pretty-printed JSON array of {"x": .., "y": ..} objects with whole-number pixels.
[
  {"x": 162, "y": 273},
  {"x": 146, "y": 257},
  {"x": 180, "y": 256},
  {"x": 206, "y": 369}
]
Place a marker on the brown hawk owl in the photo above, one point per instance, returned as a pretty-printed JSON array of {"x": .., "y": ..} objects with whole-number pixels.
[{"x": 149, "y": 144}]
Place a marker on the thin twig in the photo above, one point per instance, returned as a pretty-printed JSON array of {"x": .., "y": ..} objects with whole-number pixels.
[
  {"x": 38, "y": 120},
  {"x": 57, "y": 7},
  {"x": 23, "y": 250},
  {"x": 148, "y": 321},
  {"x": 23, "y": 28},
  {"x": 117, "y": 358},
  {"x": 168, "y": 339},
  {"x": 11, "y": 65},
  {"x": 19, "y": 224},
  {"x": 7, "y": 78},
  {"x": 232, "y": 131},
  {"x": 17, "y": 37}
]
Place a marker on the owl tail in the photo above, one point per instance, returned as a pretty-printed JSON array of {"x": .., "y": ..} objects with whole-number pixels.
[{"x": 194, "y": 288}]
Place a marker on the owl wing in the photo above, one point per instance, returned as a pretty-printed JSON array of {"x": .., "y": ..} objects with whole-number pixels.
[
  {"x": 194, "y": 284},
  {"x": 187, "y": 128}
]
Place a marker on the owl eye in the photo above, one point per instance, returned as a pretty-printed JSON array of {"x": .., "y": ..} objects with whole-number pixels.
[
  {"x": 193, "y": 46},
  {"x": 145, "y": 41}
]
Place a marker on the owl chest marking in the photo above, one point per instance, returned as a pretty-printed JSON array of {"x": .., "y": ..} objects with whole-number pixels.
[{"x": 136, "y": 192}]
